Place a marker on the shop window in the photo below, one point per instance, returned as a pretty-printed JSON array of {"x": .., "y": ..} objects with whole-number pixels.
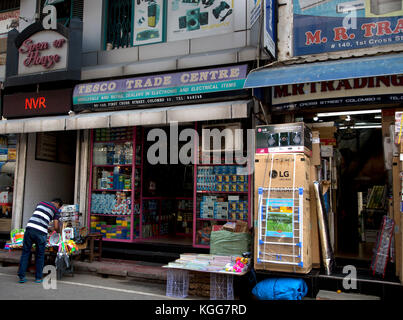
[{"x": 118, "y": 24}]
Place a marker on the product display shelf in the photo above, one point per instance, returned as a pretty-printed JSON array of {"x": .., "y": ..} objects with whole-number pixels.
[
  {"x": 183, "y": 211},
  {"x": 119, "y": 226},
  {"x": 199, "y": 223}
]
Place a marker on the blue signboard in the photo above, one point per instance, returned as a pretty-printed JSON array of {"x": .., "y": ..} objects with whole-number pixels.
[
  {"x": 326, "y": 26},
  {"x": 270, "y": 27}
]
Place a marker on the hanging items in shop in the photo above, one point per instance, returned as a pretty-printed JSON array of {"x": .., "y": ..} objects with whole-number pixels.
[
  {"x": 382, "y": 248},
  {"x": 327, "y": 252}
]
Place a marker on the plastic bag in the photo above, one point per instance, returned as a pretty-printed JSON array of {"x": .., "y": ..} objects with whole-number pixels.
[
  {"x": 280, "y": 289},
  {"x": 229, "y": 243}
]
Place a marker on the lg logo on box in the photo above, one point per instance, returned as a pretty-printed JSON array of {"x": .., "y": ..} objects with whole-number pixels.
[{"x": 282, "y": 174}]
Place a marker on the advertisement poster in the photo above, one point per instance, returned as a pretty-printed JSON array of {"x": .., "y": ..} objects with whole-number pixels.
[
  {"x": 148, "y": 22},
  {"x": 199, "y": 18},
  {"x": 325, "y": 26},
  {"x": 279, "y": 218}
]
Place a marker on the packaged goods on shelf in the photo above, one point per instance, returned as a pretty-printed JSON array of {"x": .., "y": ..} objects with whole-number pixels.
[
  {"x": 119, "y": 230},
  {"x": 222, "y": 179}
]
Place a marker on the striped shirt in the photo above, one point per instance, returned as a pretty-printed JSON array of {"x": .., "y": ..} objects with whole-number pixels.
[{"x": 44, "y": 213}]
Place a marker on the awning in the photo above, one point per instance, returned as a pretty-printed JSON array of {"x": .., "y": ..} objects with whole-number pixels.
[
  {"x": 390, "y": 64},
  {"x": 140, "y": 117}
]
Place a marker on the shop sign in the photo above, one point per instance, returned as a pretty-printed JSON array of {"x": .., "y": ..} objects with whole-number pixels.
[
  {"x": 37, "y": 104},
  {"x": 42, "y": 54},
  {"x": 8, "y": 21},
  {"x": 255, "y": 12},
  {"x": 194, "y": 19},
  {"x": 269, "y": 31},
  {"x": 325, "y": 26},
  {"x": 44, "y": 51},
  {"x": 171, "y": 88},
  {"x": 370, "y": 90}
]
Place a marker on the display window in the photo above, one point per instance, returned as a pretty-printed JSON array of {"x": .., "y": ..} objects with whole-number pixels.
[{"x": 135, "y": 198}]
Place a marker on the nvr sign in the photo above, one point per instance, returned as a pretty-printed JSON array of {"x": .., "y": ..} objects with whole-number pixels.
[
  {"x": 33, "y": 103},
  {"x": 45, "y": 103}
]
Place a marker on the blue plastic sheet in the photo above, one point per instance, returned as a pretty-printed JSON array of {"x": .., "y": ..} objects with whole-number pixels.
[{"x": 280, "y": 289}]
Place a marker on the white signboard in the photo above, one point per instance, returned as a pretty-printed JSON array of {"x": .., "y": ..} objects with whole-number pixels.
[
  {"x": 42, "y": 52},
  {"x": 193, "y": 19},
  {"x": 8, "y": 21}
]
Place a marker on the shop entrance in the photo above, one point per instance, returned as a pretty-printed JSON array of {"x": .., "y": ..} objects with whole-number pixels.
[
  {"x": 50, "y": 169},
  {"x": 360, "y": 181},
  {"x": 167, "y": 193}
]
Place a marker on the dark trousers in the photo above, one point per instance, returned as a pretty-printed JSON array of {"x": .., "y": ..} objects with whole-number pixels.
[{"x": 33, "y": 236}]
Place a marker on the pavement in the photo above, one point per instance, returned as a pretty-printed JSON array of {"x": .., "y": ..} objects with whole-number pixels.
[{"x": 135, "y": 270}]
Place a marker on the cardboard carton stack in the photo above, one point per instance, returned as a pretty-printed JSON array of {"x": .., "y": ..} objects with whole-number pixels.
[{"x": 279, "y": 168}]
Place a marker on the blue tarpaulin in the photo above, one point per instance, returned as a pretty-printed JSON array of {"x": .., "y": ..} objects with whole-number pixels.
[
  {"x": 388, "y": 64},
  {"x": 280, "y": 289}
]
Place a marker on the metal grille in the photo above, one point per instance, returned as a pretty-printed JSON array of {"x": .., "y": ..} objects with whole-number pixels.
[
  {"x": 119, "y": 29},
  {"x": 9, "y": 5}
]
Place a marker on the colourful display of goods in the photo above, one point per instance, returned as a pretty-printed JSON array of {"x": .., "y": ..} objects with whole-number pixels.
[
  {"x": 113, "y": 204},
  {"x": 113, "y": 153},
  {"x": 119, "y": 230},
  {"x": 213, "y": 207},
  {"x": 222, "y": 179}
]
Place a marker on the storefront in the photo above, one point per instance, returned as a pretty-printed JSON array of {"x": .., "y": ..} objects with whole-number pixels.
[
  {"x": 350, "y": 106},
  {"x": 40, "y": 74},
  {"x": 132, "y": 153},
  {"x": 148, "y": 180}
]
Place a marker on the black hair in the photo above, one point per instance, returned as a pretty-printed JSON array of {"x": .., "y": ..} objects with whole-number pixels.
[{"x": 58, "y": 201}]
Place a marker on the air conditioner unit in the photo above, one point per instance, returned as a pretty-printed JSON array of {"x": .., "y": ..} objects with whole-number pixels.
[
  {"x": 226, "y": 136},
  {"x": 379, "y": 7},
  {"x": 307, "y": 4}
]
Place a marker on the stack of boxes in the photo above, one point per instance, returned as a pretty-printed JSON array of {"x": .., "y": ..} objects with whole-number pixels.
[
  {"x": 213, "y": 207},
  {"x": 282, "y": 162},
  {"x": 109, "y": 180},
  {"x": 113, "y": 204},
  {"x": 237, "y": 209},
  {"x": 118, "y": 230},
  {"x": 222, "y": 179}
]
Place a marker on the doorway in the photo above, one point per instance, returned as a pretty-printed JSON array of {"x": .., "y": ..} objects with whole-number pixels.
[{"x": 50, "y": 169}]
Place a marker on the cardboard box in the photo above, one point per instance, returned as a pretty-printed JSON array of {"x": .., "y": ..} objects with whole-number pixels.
[
  {"x": 284, "y": 138},
  {"x": 327, "y": 132},
  {"x": 277, "y": 170},
  {"x": 283, "y": 168},
  {"x": 315, "y": 159}
]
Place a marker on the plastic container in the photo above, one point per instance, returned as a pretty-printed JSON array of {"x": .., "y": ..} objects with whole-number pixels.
[
  {"x": 221, "y": 287},
  {"x": 177, "y": 283}
]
